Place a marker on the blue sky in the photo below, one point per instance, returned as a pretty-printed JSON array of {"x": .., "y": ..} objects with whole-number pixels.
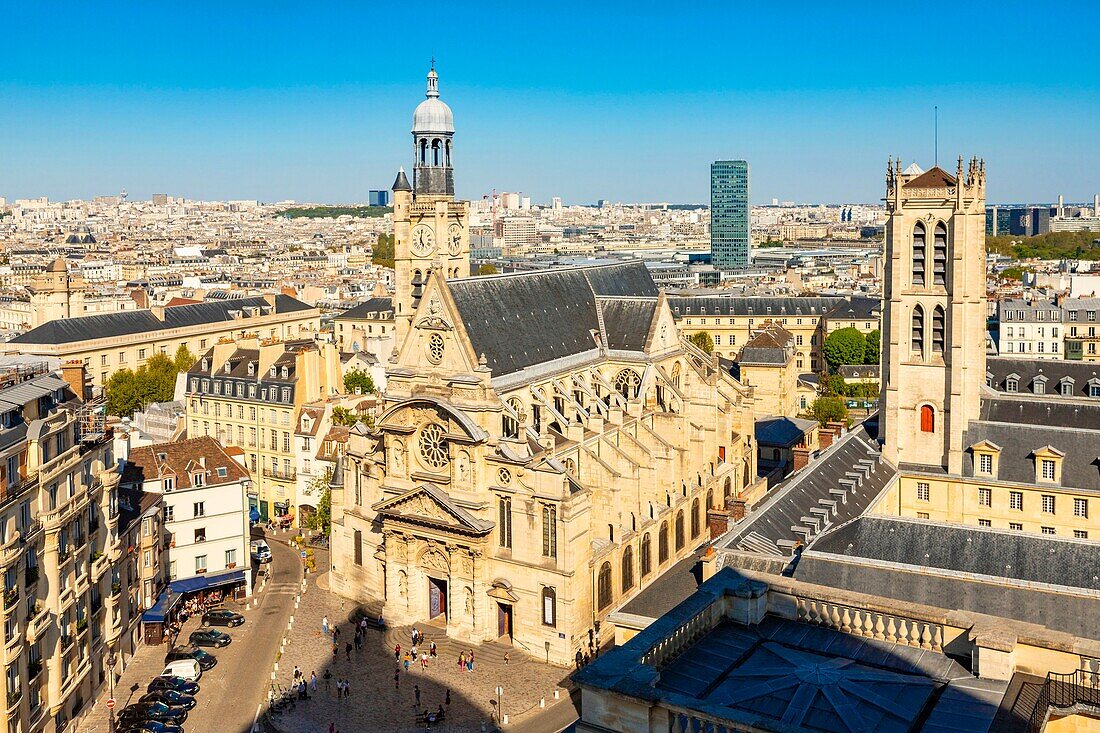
[{"x": 631, "y": 102}]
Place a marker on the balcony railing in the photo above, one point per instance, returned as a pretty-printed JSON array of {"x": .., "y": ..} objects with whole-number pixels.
[
  {"x": 278, "y": 475},
  {"x": 31, "y": 531},
  {"x": 11, "y": 597}
]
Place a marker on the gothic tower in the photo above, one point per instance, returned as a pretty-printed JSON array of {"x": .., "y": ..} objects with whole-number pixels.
[
  {"x": 431, "y": 230},
  {"x": 933, "y": 360}
]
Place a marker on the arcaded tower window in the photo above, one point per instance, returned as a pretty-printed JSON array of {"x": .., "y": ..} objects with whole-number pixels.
[
  {"x": 939, "y": 256},
  {"x": 919, "y": 240},
  {"x": 917, "y": 336}
]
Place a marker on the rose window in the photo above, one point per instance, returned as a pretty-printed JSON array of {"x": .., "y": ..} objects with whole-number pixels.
[{"x": 433, "y": 446}]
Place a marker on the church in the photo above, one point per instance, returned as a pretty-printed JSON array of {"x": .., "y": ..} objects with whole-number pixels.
[{"x": 549, "y": 444}]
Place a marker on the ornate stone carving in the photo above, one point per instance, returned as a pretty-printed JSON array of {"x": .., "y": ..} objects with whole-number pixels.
[
  {"x": 434, "y": 559},
  {"x": 398, "y": 457}
]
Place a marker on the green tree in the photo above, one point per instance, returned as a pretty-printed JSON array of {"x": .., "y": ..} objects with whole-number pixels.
[
  {"x": 874, "y": 347},
  {"x": 357, "y": 381},
  {"x": 382, "y": 252},
  {"x": 487, "y": 269},
  {"x": 123, "y": 398},
  {"x": 154, "y": 381},
  {"x": 844, "y": 346},
  {"x": 829, "y": 409},
  {"x": 1014, "y": 273},
  {"x": 321, "y": 520},
  {"x": 703, "y": 340},
  {"x": 183, "y": 359},
  {"x": 344, "y": 416}
]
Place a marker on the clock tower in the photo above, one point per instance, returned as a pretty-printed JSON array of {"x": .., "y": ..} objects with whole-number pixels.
[{"x": 431, "y": 230}]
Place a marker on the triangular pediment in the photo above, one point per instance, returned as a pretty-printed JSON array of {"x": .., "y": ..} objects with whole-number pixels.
[
  {"x": 430, "y": 505},
  {"x": 437, "y": 340},
  {"x": 663, "y": 331}
]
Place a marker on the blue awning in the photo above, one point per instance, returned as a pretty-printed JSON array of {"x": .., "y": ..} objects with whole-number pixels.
[
  {"x": 161, "y": 608},
  {"x": 207, "y": 580}
]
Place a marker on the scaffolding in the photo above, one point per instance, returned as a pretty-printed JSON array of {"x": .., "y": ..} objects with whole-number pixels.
[{"x": 91, "y": 420}]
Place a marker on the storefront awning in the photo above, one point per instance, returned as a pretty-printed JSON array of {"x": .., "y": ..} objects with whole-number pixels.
[
  {"x": 161, "y": 608},
  {"x": 207, "y": 580}
]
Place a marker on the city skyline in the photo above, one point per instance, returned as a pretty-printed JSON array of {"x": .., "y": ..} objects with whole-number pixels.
[{"x": 232, "y": 104}]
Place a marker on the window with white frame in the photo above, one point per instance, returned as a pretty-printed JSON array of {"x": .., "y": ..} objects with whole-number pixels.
[
  {"x": 923, "y": 491},
  {"x": 1016, "y": 500},
  {"x": 985, "y": 463},
  {"x": 1048, "y": 469},
  {"x": 1048, "y": 504},
  {"x": 985, "y": 497},
  {"x": 1081, "y": 508}
]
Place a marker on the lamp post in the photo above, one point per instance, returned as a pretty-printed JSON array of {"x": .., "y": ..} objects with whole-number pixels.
[
  {"x": 500, "y": 710},
  {"x": 111, "y": 659}
]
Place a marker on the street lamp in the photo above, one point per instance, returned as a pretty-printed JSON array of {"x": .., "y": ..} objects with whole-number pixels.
[
  {"x": 500, "y": 710},
  {"x": 111, "y": 687}
]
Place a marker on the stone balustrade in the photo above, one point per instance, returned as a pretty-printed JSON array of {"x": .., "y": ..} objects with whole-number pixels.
[
  {"x": 681, "y": 720},
  {"x": 871, "y": 624},
  {"x": 682, "y": 637}
]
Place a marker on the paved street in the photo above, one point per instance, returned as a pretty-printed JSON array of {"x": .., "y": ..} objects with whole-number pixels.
[
  {"x": 232, "y": 691},
  {"x": 376, "y": 704}
]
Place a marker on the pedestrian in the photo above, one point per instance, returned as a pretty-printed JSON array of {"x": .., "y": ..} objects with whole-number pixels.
[
  {"x": 423, "y": 660},
  {"x": 335, "y": 651},
  {"x": 324, "y": 625},
  {"x": 396, "y": 678},
  {"x": 397, "y": 653},
  {"x": 380, "y": 622},
  {"x": 358, "y": 642},
  {"x": 415, "y": 634},
  {"x": 313, "y": 681},
  {"x": 297, "y": 673},
  {"x": 462, "y": 661},
  {"x": 335, "y": 634},
  {"x": 347, "y": 650},
  {"x": 470, "y": 663},
  {"x": 327, "y": 676},
  {"x": 448, "y": 700},
  {"x": 416, "y": 691},
  {"x": 347, "y": 688},
  {"x": 432, "y": 650},
  {"x": 406, "y": 661}
]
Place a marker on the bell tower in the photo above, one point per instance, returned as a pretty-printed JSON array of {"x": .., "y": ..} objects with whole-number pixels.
[
  {"x": 933, "y": 360},
  {"x": 431, "y": 230}
]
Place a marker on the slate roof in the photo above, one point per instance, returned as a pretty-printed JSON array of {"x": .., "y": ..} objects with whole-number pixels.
[
  {"x": 378, "y": 308},
  {"x": 520, "y": 320},
  {"x": 18, "y": 395},
  {"x": 1080, "y": 373},
  {"x": 626, "y": 321},
  {"x": 857, "y": 308},
  {"x": 782, "y": 431},
  {"x": 770, "y": 345},
  {"x": 1020, "y": 428},
  {"x": 665, "y": 593},
  {"x": 685, "y": 306},
  {"x": 859, "y": 371},
  {"x": 934, "y": 177},
  {"x": 129, "y": 323},
  {"x": 869, "y": 555},
  {"x": 833, "y": 489}
]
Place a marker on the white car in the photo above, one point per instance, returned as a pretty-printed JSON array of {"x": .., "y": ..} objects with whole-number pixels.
[
  {"x": 188, "y": 669},
  {"x": 261, "y": 552}
]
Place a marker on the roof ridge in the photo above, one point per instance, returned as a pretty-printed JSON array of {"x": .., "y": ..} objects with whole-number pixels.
[{"x": 548, "y": 271}]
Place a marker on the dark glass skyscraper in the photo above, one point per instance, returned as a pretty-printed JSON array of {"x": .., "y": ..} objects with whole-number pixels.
[{"x": 729, "y": 213}]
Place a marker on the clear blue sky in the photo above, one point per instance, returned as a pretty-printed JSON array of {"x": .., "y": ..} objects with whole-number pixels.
[{"x": 313, "y": 101}]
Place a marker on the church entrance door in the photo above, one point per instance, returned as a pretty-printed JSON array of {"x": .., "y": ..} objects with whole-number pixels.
[
  {"x": 437, "y": 598},
  {"x": 504, "y": 620}
]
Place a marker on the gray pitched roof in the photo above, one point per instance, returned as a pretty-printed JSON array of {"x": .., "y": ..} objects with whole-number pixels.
[
  {"x": 521, "y": 320},
  {"x": 782, "y": 431},
  {"x": 127, "y": 323},
  {"x": 1025, "y": 371},
  {"x": 831, "y": 490},
  {"x": 938, "y": 565},
  {"x": 627, "y": 321},
  {"x": 382, "y": 308},
  {"x": 752, "y": 306}
]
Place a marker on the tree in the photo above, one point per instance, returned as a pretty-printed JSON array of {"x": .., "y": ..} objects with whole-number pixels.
[
  {"x": 357, "y": 381},
  {"x": 829, "y": 409},
  {"x": 382, "y": 252},
  {"x": 703, "y": 340},
  {"x": 122, "y": 393},
  {"x": 154, "y": 381},
  {"x": 844, "y": 346},
  {"x": 183, "y": 359},
  {"x": 321, "y": 520},
  {"x": 873, "y": 354},
  {"x": 343, "y": 416},
  {"x": 487, "y": 269}
]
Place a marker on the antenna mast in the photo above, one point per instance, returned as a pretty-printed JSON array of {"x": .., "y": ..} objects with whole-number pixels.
[{"x": 936, "y": 134}]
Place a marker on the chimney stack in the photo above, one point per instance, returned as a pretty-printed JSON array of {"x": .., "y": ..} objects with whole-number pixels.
[{"x": 76, "y": 375}]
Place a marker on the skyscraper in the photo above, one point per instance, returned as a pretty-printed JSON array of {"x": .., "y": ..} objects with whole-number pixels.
[{"x": 729, "y": 213}]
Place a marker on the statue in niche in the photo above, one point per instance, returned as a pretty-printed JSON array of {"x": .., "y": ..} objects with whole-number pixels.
[
  {"x": 469, "y": 602},
  {"x": 398, "y": 457},
  {"x": 403, "y": 584},
  {"x": 462, "y": 467}
]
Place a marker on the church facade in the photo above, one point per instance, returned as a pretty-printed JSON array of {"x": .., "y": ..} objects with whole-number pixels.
[{"x": 549, "y": 443}]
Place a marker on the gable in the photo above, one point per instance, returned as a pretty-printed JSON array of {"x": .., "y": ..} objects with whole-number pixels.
[
  {"x": 436, "y": 339},
  {"x": 431, "y": 506}
]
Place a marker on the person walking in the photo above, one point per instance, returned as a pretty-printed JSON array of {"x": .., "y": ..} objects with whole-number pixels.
[
  {"x": 327, "y": 676},
  {"x": 416, "y": 691},
  {"x": 462, "y": 661},
  {"x": 297, "y": 673},
  {"x": 324, "y": 625},
  {"x": 448, "y": 698},
  {"x": 347, "y": 650},
  {"x": 396, "y": 678},
  {"x": 335, "y": 651},
  {"x": 406, "y": 661},
  {"x": 432, "y": 652},
  {"x": 313, "y": 681},
  {"x": 347, "y": 689},
  {"x": 397, "y": 652},
  {"x": 423, "y": 660},
  {"x": 470, "y": 662}
]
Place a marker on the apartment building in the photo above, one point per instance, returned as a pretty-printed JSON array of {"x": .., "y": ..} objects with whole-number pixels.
[
  {"x": 70, "y": 601},
  {"x": 731, "y": 322},
  {"x": 108, "y": 342},
  {"x": 247, "y": 394},
  {"x": 1031, "y": 328},
  {"x": 203, "y": 494},
  {"x": 367, "y": 327}
]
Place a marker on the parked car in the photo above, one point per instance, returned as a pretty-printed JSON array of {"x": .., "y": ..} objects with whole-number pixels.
[
  {"x": 205, "y": 659},
  {"x": 188, "y": 669},
  {"x": 171, "y": 698},
  {"x": 150, "y": 726},
  {"x": 261, "y": 552},
  {"x": 222, "y": 617},
  {"x": 209, "y": 637},
  {"x": 175, "y": 684},
  {"x": 143, "y": 711}
]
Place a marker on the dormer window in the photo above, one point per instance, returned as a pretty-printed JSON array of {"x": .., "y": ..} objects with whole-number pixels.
[
  {"x": 1094, "y": 387},
  {"x": 272, "y": 371},
  {"x": 1039, "y": 385},
  {"x": 284, "y": 373},
  {"x": 169, "y": 483},
  {"x": 1065, "y": 387},
  {"x": 227, "y": 367},
  {"x": 1012, "y": 383},
  {"x": 1048, "y": 465},
  {"x": 205, "y": 364},
  {"x": 198, "y": 479},
  {"x": 986, "y": 454},
  {"x": 251, "y": 369}
]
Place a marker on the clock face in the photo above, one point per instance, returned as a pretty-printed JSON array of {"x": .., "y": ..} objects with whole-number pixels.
[
  {"x": 423, "y": 240},
  {"x": 454, "y": 239}
]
